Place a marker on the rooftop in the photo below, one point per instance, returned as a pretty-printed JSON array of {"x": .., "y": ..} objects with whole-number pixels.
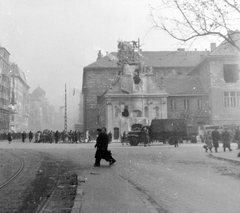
[{"x": 179, "y": 58}]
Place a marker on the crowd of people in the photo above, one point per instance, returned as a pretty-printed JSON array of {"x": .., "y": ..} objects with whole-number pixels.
[
  {"x": 47, "y": 136},
  {"x": 212, "y": 139}
]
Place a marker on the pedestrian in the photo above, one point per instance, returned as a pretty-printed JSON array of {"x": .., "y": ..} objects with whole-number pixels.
[
  {"x": 176, "y": 137},
  {"x": 24, "y": 135},
  {"x": 208, "y": 141},
  {"x": 237, "y": 137},
  {"x": 102, "y": 148},
  {"x": 39, "y": 136},
  {"x": 36, "y": 137},
  {"x": 108, "y": 154},
  {"x": 215, "y": 139},
  {"x": 146, "y": 137},
  {"x": 110, "y": 137},
  {"x": 56, "y": 136},
  {"x": 51, "y": 136},
  {"x": 30, "y": 136},
  {"x": 201, "y": 135},
  {"x": 226, "y": 140},
  {"x": 124, "y": 138},
  {"x": 70, "y": 136},
  {"x": 88, "y": 139},
  {"x": 9, "y": 137},
  {"x": 81, "y": 140}
]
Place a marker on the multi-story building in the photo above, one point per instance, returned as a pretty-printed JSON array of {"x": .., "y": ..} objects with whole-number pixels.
[
  {"x": 20, "y": 96},
  {"x": 100, "y": 75},
  {"x": 4, "y": 89},
  {"x": 219, "y": 75},
  {"x": 201, "y": 87},
  {"x": 42, "y": 114}
]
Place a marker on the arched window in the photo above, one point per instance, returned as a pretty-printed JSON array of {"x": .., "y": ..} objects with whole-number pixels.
[
  {"x": 146, "y": 112},
  {"x": 137, "y": 113}
]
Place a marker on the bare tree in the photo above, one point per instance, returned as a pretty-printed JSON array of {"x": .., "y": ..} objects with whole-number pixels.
[{"x": 188, "y": 20}]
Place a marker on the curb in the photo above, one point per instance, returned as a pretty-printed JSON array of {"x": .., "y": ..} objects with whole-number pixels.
[
  {"x": 225, "y": 159},
  {"x": 77, "y": 206}
]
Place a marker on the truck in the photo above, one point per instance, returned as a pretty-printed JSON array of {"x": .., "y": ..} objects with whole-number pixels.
[{"x": 163, "y": 130}]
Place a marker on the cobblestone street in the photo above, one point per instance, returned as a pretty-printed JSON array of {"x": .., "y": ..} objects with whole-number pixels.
[{"x": 159, "y": 178}]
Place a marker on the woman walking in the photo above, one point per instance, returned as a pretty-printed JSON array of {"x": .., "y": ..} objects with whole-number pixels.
[{"x": 208, "y": 141}]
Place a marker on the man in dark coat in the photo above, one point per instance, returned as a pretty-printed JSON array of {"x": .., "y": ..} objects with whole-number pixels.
[
  {"x": 10, "y": 137},
  {"x": 56, "y": 136},
  {"x": 24, "y": 135},
  {"x": 102, "y": 148},
  {"x": 215, "y": 138},
  {"x": 30, "y": 136},
  {"x": 226, "y": 140}
]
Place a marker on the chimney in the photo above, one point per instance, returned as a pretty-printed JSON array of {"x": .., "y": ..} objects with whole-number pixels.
[
  {"x": 213, "y": 46},
  {"x": 99, "y": 56}
]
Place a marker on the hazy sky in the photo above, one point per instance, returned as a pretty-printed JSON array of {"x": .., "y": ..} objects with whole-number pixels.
[{"x": 52, "y": 40}]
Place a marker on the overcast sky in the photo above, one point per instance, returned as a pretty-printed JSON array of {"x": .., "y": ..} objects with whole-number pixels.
[{"x": 52, "y": 40}]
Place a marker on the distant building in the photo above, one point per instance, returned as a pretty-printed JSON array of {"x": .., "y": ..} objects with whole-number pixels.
[
  {"x": 20, "y": 89},
  {"x": 4, "y": 89},
  {"x": 42, "y": 114}
]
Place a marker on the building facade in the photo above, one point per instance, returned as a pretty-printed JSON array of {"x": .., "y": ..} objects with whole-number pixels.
[
  {"x": 19, "y": 94},
  {"x": 219, "y": 74},
  {"x": 4, "y": 89},
  {"x": 42, "y": 114},
  {"x": 135, "y": 98},
  {"x": 100, "y": 75}
]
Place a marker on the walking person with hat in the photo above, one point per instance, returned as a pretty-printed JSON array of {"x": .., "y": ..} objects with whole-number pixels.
[
  {"x": 215, "y": 139},
  {"x": 226, "y": 138}
]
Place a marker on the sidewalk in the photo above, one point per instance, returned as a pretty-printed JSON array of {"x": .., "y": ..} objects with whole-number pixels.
[{"x": 229, "y": 156}]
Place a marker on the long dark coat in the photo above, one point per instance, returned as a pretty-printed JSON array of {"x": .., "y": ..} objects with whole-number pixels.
[
  {"x": 102, "y": 146},
  {"x": 30, "y": 135},
  {"x": 215, "y": 138},
  {"x": 226, "y": 138},
  {"x": 9, "y": 136}
]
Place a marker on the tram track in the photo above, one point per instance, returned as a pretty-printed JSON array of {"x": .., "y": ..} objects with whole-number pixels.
[
  {"x": 42, "y": 183},
  {"x": 14, "y": 176}
]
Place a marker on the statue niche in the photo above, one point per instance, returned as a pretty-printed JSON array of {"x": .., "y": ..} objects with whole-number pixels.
[{"x": 137, "y": 86}]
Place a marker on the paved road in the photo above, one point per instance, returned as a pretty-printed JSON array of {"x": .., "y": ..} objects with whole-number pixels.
[{"x": 159, "y": 178}]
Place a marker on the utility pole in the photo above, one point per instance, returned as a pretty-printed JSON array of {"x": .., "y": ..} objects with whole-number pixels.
[{"x": 65, "y": 115}]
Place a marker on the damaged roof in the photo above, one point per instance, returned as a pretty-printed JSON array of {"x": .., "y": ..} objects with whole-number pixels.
[{"x": 156, "y": 59}]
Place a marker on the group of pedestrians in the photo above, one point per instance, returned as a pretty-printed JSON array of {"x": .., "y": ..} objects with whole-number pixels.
[
  {"x": 48, "y": 136},
  {"x": 213, "y": 138}
]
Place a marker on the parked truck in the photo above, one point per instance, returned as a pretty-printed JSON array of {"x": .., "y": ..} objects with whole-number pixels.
[{"x": 163, "y": 130}]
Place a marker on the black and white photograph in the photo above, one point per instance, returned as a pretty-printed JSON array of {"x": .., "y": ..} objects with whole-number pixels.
[{"x": 112, "y": 106}]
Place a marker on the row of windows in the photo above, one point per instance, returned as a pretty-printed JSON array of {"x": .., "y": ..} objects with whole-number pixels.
[
  {"x": 157, "y": 110},
  {"x": 186, "y": 104},
  {"x": 231, "y": 99}
]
